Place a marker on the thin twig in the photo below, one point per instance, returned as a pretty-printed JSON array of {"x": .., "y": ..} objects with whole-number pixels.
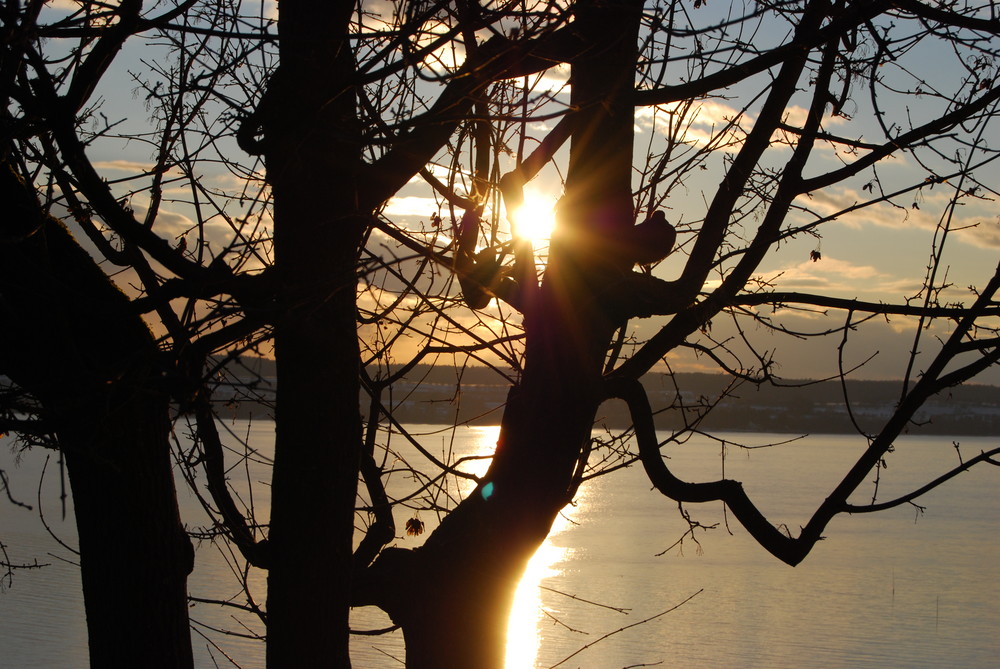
[
  {"x": 622, "y": 629},
  {"x": 585, "y": 601}
]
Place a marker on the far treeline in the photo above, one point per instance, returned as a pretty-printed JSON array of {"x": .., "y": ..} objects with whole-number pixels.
[{"x": 476, "y": 395}]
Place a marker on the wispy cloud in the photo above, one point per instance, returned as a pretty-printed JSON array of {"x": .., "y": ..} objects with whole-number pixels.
[
  {"x": 169, "y": 224},
  {"x": 840, "y": 277},
  {"x": 412, "y": 205},
  {"x": 716, "y": 123},
  {"x": 553, "y": 81},
  {"x": 973, "y": 222},
  {"x": 709, "y": 113},
  {"x": 64, "y": 5},
  {"x": 124, "y": 165}
]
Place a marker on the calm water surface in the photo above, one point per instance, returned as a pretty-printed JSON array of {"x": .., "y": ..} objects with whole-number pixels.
[{"x": 895, "y": 589}]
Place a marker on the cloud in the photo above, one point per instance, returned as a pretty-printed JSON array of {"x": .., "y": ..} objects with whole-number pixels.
[
  {"x": 552, "y": 81},
  {"x": 270, "y": 9},
  {"x": 712, "y": 114},
  {"x": 832, "y": 201},
  {"x": 707, "y": 114},
  {"x": 841, "y": 278},
  {"x": 880, "y": 346},
  {"x": 973, "y": 222},
  {"x": 702, "y": 124},
  {"x": 136, "y": 167},
  {"x": 124, "y": 165},
  {"x": 442, "y": 172},
  {"x": 172, "y": 225},
  {"x": 796, "y": 115},
  {"x": 412, "y": 205},
  {"x": 716, "y": 123},
  {"x": 986, "y": 232},
  {"x": 169, "y": 224}
]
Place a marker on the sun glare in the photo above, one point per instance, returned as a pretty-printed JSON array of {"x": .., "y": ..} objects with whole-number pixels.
[
  {"x": 535, "y": 218},
  {"x": 523, "y": 637},
  {"x": 522, "y": 628}
]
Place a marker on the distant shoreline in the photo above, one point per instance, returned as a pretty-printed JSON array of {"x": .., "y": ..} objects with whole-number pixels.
[{"x": 476, "y": 395}]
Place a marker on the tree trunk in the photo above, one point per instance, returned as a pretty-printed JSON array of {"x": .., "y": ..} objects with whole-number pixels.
[
  {"x": 313, "y": 160},
  {"x": 314, "y": 482},
  {"x": 452, "y": 597},
  {"x": 134, "y": 553},
  {"x": 70, "y": 338}
]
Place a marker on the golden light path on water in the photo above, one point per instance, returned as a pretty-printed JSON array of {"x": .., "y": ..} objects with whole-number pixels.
[{"x": 523, "y": 640}]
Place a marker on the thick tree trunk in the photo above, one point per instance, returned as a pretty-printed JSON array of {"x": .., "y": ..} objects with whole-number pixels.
[
  {"x": 134, "y": 553},
  {"x": 454, "y": 596},
  {"x": 70, "y": 338},
  {"x": 456, "y": 615},
  {"x": 313, "y": 163},
  {"x": 318, "y": 438}
]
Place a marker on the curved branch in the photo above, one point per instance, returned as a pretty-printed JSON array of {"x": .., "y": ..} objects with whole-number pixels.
[
  {"x": 782, "y": 546},
  {"x": 255, "y": 552},
  {"x": 788, "y": 549},
  {"x": 89, "y": 73},
  {"x": 985, "y": 456}
]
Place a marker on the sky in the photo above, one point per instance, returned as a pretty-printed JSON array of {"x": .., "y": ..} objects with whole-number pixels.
[
  {"x": 875, "y": 254},
  {"x": 878, "y": 253}
]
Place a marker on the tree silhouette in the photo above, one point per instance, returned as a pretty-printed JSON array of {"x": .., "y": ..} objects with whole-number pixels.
[{"x": 275, "y": 144}]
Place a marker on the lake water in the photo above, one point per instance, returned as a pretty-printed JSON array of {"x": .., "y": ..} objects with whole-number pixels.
[{"x": 895, "y": 589}]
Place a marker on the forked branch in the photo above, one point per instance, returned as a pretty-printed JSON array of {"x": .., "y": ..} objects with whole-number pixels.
[{"x": 793, "y": 549}]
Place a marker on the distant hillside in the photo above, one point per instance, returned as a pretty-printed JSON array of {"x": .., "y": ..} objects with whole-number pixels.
[{"x": 442, "y": 394}]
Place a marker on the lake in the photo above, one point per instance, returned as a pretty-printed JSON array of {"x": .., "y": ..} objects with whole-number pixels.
[{"x": 901, "y": 588}]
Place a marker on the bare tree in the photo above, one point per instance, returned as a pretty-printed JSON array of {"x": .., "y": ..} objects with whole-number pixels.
[{"x": 262, "y": 221}]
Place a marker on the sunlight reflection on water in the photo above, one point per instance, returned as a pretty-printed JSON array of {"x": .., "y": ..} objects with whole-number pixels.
[
  {"x": 523, "y": 640},
  {"x": 528, "y": 612},
  {"x": 889, "y": 590}
]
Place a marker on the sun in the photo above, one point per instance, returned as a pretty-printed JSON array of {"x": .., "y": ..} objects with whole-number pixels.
[{"x": 535, "y": 218}]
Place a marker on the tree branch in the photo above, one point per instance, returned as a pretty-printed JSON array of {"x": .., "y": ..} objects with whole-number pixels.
[
  {"x": 498, "y": 58},
  {"x": 948, "y": 18},
  {"x": 729, "y": 491},
  {"x": 255, "y": 552},
  {"x": 985, "y": 456},
  {"x": 905, "y": 140},
  {"x": 89, "y": 73},
  {"x": 856, "y": 15},
  {"x": 781, "y": 298}
]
